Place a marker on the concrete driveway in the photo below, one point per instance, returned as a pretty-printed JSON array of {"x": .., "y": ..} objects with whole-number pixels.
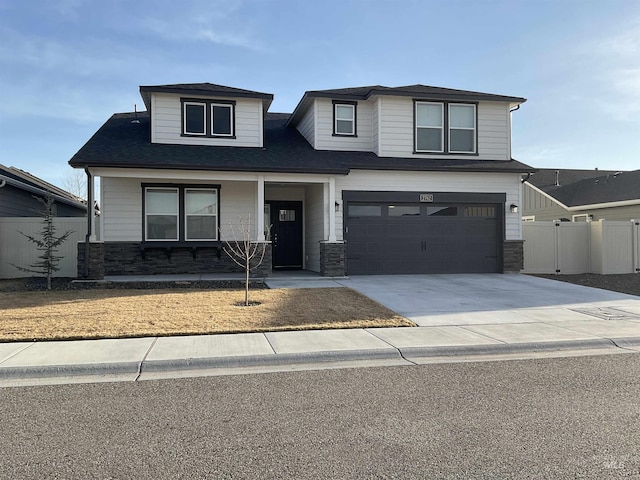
[{"x": 473, "y": 299}]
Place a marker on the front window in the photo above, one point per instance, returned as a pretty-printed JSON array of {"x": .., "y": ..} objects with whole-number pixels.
[
  {"x": 429, "y": 127},
  {"x": 344, "y": 119},
  {"x": 442, "y": 127},
  {"x": 462, "y": 128},
  {"x": 208, "y": 118},
  {"x": 181, "y": 213},
  {"x": 162, "y": 213},
  {"x": 194, "y": 118},
  {"x": 201, "y": 213},
  {"x": 222, "y": 119}
]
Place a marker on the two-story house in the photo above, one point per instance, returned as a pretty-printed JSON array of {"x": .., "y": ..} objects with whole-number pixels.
[{"x": 368, "y": 180}]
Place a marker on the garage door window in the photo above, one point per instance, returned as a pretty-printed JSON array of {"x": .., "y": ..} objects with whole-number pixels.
[
  {"x": 442, "y": 211},
  {"x": 404, "y": 211},
  {"x": 480, "y": 211},
  {"x": 365, "y": 211}
]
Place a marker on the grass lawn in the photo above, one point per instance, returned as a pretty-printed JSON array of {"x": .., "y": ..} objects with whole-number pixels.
[{"x": 94, "y": 313}]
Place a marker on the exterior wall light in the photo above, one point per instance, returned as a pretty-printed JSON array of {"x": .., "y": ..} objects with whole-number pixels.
[{"x": 514, "y": 208}]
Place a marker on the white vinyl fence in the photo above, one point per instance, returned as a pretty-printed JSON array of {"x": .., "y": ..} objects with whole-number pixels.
[
  {"x": 16, "y": 249},
  {"x": 583, "y": 247}
]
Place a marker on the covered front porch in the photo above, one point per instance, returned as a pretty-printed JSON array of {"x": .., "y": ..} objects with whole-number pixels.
[{"x": 292, "y": 216}]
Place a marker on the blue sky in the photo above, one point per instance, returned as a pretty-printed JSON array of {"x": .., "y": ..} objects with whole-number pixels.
[{"x": 67, "y": 65}]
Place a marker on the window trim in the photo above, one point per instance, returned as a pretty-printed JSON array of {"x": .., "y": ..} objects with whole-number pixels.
[
  {"x": 181, "y": 227},
  {"x": 445, "y": 127},
  {"x": 232, "y": 119},
  {"x": 443, "y": 119},
  {"x": 209, "y": 104},
  {"x": 145, "y": 214},
  {"x": 354, "y": 120},
  {"x": 474, "y": 129},
  {"x": 184, "y": 118}
]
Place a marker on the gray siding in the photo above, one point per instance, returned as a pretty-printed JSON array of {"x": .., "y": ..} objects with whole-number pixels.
[{"x": 15, "y": 202}]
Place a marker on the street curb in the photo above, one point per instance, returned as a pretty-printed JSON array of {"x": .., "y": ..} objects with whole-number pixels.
[
  {"x": 53, "y": 371},
  {"x": 503, "y": 348},
  {"x": 268, "y": 360}
]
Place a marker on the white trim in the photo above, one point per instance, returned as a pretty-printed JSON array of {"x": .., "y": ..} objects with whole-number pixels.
[
  {"x": 260, "y": 206},
  {"x": 231, "y": 108},
  {"x": 177, "y": 215},
  {"x": 441, "y": 127},
  {"x": 184, "y": 118},
  {"x": 587, "y": 217},
  {"x": 352, "y": 119},
  {"x": 474, "y": 129},
  {"x": 186, "y": 215},
  {"x": 332, "y": 209}
]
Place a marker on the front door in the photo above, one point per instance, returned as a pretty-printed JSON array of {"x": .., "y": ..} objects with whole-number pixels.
[{"x": 286, "y": 234}]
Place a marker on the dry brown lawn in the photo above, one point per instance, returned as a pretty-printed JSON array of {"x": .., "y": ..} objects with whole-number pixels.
[{"x": 74, "y": 314}]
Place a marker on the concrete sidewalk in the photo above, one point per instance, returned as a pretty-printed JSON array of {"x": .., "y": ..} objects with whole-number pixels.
[
  {"x": 461, "y": 318},
  {"x": 164, "y": 357}
]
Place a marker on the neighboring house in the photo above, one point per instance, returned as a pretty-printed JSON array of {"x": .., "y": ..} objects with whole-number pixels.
[
  {"x": 368, "y": 180},
  {"x": 17, "y": 190},
  {"x": 581, "y": 195}
]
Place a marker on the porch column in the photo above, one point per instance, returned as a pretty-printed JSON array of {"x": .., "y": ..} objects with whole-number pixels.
[
  {"x": 91, "y": 211},
  {"x": 260, "y": 212},
  {"x": 332, "y": 209}
]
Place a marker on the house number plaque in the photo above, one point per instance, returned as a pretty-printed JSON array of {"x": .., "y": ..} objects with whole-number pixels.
[{"x": 426, "y": 197}]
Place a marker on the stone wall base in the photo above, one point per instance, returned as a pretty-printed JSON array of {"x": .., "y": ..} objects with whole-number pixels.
[
  {"x": 332, "y": 259},
  {"x": 96, "y": 261},
  {"x": 512, "y": 256},
  {"x": 128, "y": 258}
]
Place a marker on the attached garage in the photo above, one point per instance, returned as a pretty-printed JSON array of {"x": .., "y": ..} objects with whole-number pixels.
[{"x": 413, "y": 232}]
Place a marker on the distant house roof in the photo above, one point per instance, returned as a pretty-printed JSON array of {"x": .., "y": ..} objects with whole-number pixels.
[
  {"x": 415, "y": 91},
  {"x": 204, "y": 89},
  {"x": 30, "y": 183},
  {"x": 575, "y": 188},
  {"x": 121, "y": 143}
]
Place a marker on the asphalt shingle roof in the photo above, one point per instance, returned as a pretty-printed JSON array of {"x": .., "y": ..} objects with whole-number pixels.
[
  {"x": 588, "y": 187},
  {"x": 121, "y": 143}
]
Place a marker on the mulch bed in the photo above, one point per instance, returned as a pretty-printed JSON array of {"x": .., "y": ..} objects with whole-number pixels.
[{"x": 624, "y": 283}]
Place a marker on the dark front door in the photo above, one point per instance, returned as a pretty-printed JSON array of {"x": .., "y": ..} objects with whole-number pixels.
[{"x": 286, "y": 234}]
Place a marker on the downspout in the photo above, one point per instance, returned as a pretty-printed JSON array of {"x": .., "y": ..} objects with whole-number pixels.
[{"x": 87, "y": 238}]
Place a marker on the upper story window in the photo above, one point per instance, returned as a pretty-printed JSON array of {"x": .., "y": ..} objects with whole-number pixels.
[
  {"x": 208, "y": 118},
  {"x": 462, "y": 128},
  {"x": 344, "y": 118},
  {"x": 445, "y": 127}
]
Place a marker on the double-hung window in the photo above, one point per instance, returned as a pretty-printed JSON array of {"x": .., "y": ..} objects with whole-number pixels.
[
  {"x": 462, "y": 128},
  {"x": 445, "y": 127},
  {"x": 429, "y": 127},
  {"x": 180, "y": 213},
  {"x": 208, "y": 118},
  {"x": 344, "y": 118}
]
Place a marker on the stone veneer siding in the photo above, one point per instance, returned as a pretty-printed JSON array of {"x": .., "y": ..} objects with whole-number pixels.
[
  {"x": 264, "y": 269},
  {"x": 513, "y": 256},
  {"x": 332, "y": 259},
  {"x": 96, "y": 261},
  {"x": 126, "y": 258}
]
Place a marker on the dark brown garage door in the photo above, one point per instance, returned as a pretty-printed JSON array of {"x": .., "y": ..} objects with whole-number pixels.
[{"x": 397, "y": 238}]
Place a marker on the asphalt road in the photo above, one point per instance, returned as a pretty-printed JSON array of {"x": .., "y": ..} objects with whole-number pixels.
[{"x": 545, "y": 418}]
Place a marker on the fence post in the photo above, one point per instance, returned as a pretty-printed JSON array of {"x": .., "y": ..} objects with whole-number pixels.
[
  {"x": 556, "y": 245},
  {"x": 636, "y": 244}
]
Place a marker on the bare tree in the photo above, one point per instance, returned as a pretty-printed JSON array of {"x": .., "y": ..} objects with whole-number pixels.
[
  {"x": 47, "y": 243},
  {"x": 245, "y": 252},
  {"x": 75, "y": 182}
]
